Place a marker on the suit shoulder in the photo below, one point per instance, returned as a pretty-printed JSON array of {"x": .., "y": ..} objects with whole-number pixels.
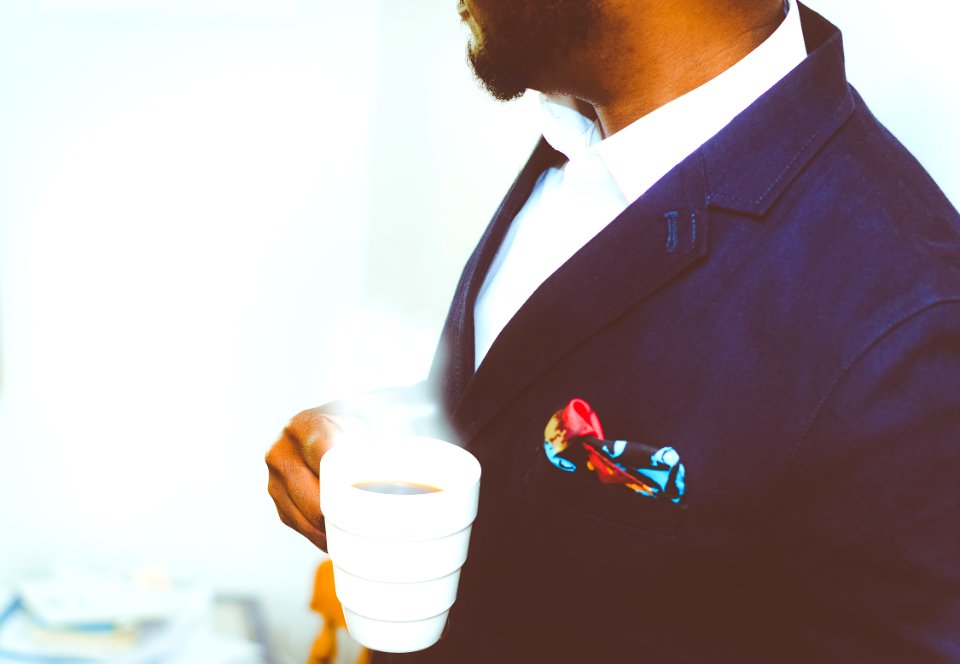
[
  {"x": 876, "y": 176},
  {"x": 868, "y": 195}
]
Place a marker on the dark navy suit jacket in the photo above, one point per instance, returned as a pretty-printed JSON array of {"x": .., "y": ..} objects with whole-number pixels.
[{"x": 783, "y": 308}]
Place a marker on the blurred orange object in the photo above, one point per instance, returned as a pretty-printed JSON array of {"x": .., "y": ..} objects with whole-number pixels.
[{"x": 325, "y": 602}]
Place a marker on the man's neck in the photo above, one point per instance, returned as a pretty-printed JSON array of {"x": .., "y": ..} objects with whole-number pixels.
[{"x": 655, "y": 56}]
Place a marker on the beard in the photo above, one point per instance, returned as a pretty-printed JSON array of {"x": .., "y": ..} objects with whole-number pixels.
[{"x": 530, "y": 44}]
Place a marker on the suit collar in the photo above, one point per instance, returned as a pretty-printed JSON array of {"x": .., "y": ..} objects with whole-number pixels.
[
  {"x": 743, "y": 169},
  {"x": 783, "y": 129}
]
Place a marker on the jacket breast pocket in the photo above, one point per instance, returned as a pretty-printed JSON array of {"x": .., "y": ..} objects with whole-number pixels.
[{"x": 583, "y": 493}]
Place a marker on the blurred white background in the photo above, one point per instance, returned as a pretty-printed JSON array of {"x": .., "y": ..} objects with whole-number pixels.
[{"x": 215, "y": 213}]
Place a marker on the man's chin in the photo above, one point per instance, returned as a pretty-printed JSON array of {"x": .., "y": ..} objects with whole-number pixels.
[{"x": 500, "y": 80}]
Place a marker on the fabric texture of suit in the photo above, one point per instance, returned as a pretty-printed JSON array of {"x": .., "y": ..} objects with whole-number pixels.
[{"x": 783, "y": 308}]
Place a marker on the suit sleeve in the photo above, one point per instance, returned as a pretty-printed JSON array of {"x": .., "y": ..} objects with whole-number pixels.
[{"x": 869, "y": 539}]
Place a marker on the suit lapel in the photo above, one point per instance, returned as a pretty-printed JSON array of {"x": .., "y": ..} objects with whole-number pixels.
[{"x": 649, "y": 244}]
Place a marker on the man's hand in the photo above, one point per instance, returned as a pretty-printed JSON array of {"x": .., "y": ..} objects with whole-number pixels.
[{"x": 294, "y": 463}]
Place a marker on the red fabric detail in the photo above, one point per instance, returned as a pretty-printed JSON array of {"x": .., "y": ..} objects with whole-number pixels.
[
  {"x": 606, "y": 470},
  {"x": 579, "y": 420}
]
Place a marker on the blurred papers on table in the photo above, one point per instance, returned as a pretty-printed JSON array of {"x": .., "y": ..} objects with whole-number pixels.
[{"x": 94, "y": 617}]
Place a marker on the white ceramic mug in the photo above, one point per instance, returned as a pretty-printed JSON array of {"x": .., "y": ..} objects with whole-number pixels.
[{"x": 397, "y": 557}]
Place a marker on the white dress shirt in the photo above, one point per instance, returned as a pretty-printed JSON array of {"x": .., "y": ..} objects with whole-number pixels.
[{"x": 571, "y": 204}]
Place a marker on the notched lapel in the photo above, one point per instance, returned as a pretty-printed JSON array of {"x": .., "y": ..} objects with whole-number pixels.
[
  {"x": 649, "y": 244},
  {"x": 755, "y": 158}
]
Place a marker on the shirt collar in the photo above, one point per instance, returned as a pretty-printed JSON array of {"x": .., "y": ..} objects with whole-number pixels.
[{"x": 667, "y": 135}]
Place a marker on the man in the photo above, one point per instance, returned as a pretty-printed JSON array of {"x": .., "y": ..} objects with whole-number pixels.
[{"x": 718, "y": 255}]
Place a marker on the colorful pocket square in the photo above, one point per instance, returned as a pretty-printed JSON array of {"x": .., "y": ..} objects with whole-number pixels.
[{"x": 573, "y": 440}]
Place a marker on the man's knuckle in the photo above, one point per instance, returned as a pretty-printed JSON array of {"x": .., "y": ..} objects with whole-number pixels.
[
  {"x": 273, "y": 489},
  {"x": 307, "y": 426},
  {"x": 300, "y": 422},
  {"x": 290, "y": 433}
]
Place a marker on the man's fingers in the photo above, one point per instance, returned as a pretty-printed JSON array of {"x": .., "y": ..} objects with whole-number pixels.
[
  {"x": 294, "y": 518},
  {"x": 294, "y": 464},
  {"x": 295, "y": 490},
  {"x": 303, "y": 488}
]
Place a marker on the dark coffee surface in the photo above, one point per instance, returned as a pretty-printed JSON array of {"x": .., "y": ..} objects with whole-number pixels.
[{"x": 396, "y": 487}]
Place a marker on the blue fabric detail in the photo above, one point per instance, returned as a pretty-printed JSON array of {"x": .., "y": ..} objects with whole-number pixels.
[
  {"x": 618, "y": 447},
  {"x": 562, "y": 464}
]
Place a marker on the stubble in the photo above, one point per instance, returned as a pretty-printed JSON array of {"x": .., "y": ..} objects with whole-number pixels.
[{"x": 531, "y": 44}]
